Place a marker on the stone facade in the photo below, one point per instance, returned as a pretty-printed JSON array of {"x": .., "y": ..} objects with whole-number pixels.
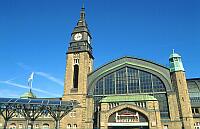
[
  {"x": 184, "y": 105},
  {"x": 20, "y": 123},
  {"x": 80, "y": 93}
]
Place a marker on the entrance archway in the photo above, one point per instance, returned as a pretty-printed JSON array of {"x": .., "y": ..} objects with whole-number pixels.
[{"x": 128, "y": 118}]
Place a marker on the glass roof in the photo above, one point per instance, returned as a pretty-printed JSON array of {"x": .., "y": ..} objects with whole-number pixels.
[{"x": 36, "y": 101}]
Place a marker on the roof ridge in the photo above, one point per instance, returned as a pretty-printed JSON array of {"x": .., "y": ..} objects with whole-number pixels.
[{"x": 132, "y": 57}]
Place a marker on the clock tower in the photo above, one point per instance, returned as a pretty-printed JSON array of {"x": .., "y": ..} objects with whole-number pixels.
[{"x": 79, "y": 64}]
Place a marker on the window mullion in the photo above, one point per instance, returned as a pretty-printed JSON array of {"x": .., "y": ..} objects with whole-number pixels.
[
  {"x": 103, "y": 85},
  {"x": 115, "y": 82},
  {"x": 152, "y": 83},
  {"x": 126, "y": 74},
  {"x": 139, "y": 80}
]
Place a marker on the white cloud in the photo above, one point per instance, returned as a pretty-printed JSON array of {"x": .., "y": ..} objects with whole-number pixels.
[
  {"x": 26, "y": 87},
  {"x": 50, "y": 77},
  {"x": 14, "y": 84}
]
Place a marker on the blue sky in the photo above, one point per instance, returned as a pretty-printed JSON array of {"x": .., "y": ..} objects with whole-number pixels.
[{"x": 34, "y": 36}]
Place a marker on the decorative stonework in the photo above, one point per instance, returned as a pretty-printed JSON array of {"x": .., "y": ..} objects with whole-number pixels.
[{"x": 151, "y": 114}]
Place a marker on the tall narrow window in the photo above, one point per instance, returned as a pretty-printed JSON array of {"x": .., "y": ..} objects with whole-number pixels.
[{"x": 76, "y": 71}]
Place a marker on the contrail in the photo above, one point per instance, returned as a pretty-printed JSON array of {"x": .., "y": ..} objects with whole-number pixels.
[
  {"x": 43, "y": 74},
  {"x": 26, "y": 87}
]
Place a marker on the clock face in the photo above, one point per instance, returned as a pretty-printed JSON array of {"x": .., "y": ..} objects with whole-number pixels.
[{"x": 78, "y": 36}]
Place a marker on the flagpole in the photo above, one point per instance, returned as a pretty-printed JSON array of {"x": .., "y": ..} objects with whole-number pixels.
[
  {"x": 30, "y": 81},
  {"x": 31, "y": 85}
]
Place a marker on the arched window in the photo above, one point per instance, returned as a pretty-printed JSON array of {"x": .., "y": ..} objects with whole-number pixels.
[
  {"x": 69, "y": 126},
  {"x": 197, "y": 125},
  {"x": 45, "y": 126},
  {"x": 75, "y": 79},
  {"x": 75, "y": 126},
  {"x": 129, "y": 80},
  {"x": 12, "y": 126}
]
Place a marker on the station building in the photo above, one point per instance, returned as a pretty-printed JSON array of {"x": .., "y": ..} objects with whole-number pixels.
[{"x": 127, "y": 93}]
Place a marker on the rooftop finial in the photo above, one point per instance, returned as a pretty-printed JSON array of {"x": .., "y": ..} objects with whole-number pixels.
[
  {"x": 83, "y": 6},
  {"x": 173, "y": 51},
  {"x": 83, "y": 11}
]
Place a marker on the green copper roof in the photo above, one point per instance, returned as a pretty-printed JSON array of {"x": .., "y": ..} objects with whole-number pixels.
[
  {"x": 175, "y": 62},
  {"x": 28, "y": 95},
  {"x": 174, "y": 55},
  {"x": 127, "y": 98}
]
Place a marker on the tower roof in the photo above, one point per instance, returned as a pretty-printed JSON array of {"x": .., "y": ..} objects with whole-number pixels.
[
  {"x": 81, "y": 38},
  {"x": 81, "y": 25},
  {"x": 82, "y": 15},
  {"x": 174, "y": 55},
  {"x": 28, "y": 95},
  {"x": 175, "y": 62}
]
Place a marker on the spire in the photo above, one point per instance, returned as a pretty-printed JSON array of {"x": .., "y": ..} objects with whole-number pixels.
[
  {"x": 81, "y": 38},
  {"x": 82, "y": 16},
  {"x": 82, "y": 21},
  {"x": 83, "y": 6}
]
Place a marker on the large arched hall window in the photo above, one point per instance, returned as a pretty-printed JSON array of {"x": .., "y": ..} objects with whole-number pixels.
[{"x": 128, "y": 80}]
